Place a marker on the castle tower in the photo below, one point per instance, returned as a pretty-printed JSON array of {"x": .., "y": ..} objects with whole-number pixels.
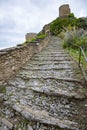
[{"x": 64, "y": 10}]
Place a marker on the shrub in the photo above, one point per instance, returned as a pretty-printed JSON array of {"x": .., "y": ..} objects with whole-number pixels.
[
  {"x": 62, "y": 35},
  {"x": 75, "y": 40},
  {"x": 59, "y": 24}
]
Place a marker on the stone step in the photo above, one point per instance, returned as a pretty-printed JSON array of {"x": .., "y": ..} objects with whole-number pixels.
[
  {"x": 43, "y": 117},
  {"x": 52, "y": 49},
  {"x": 5, "y": 124},
  {"x": 61, "y": 107},
  {"x": 46, "y": 68},
  {"x": 26, "y": 76},
  {"x": 50, "y": 91},
  {"x": 51, "y": 58},
  {"x": 46, "y": 74},
  {"x": 64, "y": 79},
  {"x": 51, "y": 52},
  {"x": 48, "y": 84},
  {"x": 50, "y": 63}
]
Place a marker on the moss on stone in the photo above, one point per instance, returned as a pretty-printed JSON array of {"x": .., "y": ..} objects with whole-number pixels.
[{"x": 2, "y": 89}]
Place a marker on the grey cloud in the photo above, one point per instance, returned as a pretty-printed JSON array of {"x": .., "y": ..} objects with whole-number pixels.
[{"x": 17, "y": 17}]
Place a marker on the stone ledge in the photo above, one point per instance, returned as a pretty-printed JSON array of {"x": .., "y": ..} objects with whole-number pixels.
[{"x": 43, "y": 117}]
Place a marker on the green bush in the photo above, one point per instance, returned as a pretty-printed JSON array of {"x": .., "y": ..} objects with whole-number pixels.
[
  {"x": 65, "y": 45},
  {"x": 82, "y": 23},
  {"x": 60, "y": 24},
  {"x": 79, "y": 41}
]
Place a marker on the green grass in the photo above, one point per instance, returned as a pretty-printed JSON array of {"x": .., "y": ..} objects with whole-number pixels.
[
  {"x": 2, "y": 89},
  {"x": 75, "y": 54},
  {"x": 39, "y": 36}
]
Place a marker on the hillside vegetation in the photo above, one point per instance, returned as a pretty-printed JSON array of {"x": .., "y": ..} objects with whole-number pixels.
[
  {"x": 74, "y": 32},
  {"x": 71, "y": 29},
  {"x": 59, "y": 24},
  {"x": 38, "y": 37}
]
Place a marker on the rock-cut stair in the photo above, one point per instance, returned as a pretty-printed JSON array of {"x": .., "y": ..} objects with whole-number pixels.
[{"x": 46, "y": 94}]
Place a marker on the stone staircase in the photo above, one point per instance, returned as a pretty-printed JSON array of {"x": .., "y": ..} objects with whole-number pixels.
[{"x": 46, "y": 94}]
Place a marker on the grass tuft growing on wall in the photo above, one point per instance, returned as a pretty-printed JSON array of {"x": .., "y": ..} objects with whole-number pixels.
[{"x": 39, "y": 36}]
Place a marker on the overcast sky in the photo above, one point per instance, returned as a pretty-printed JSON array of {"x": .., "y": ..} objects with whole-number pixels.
[{"x": 18, "y": 17}]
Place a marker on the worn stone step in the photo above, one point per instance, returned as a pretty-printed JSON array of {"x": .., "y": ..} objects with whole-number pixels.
[
  {"x": 60, "y": 92},
  {"x": 46, "y": 68},
  {"x": 50, "y": 62},
  {"x": 5, "y": 124},
  {"x": 46, "y": 74},
  {"x": 42, "y": 65},
  {"x": 64, "y": 79},
  {"x": 25, "y": 75},
  {"x": 43, "y": 117},
  {"x": 55, "y": 85},
  {"x": 52, "y": 50},
  {"x": 51, "y": 58},
  {"x": 46, "y": 83},
  {"x": 52, "y": 53},
  {"x": 58, "y": 106}
]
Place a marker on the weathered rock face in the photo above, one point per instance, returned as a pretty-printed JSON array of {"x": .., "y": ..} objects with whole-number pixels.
[
  {"x": 46, "y": 29},
  {"x": 64, "y": 10},
  {"x": 29, "y": 36}
]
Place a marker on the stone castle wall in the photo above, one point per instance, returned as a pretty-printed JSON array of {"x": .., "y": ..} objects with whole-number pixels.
[
  {"x": 64, "y": 10},
  {"x": 29, "y": 36},
  {"x": 46, "y": 29},
  {"x": 12, "y": 59}
]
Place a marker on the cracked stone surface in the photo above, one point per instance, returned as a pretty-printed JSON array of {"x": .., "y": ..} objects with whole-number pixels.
[{"x": 46, "y": 94}]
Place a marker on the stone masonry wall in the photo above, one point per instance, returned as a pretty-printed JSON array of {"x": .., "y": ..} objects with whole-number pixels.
[
  {"x": 29, "y": 36},
  {"x": 64, "y": 10},
  {"x": 12, "y": 59}
]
